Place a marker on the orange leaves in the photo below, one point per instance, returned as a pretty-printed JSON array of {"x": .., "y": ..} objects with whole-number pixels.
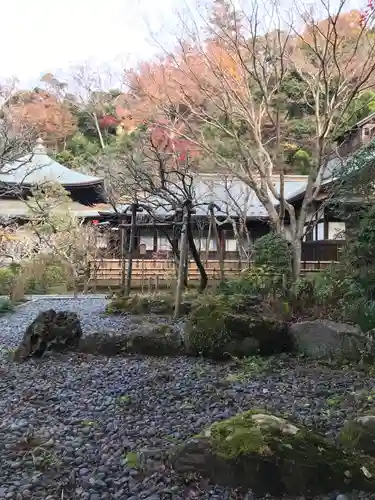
[
  {"x": 188, "y": 78},
  {"x": 340, "y": 44},
  {"x": 167, "y": 141},
  {"x": 45, "y": 114},
  {"x": 344, "y": 26}
]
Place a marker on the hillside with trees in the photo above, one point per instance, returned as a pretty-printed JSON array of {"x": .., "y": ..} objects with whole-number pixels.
[
  {"x": 205, "y": 88},
  {"x": 246, "y": 92}
]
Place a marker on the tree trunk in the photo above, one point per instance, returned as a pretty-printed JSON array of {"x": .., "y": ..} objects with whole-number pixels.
[
  {"x": 75, "y": 285},
  {"x": 296, "y": 258},
  {"x": 219, "y": 249},
  {"x": 197, "y": 258},
  {"x": 208, "y": 240},
  {"x": 98, "y": 131},
  {"x": 181, "y": 270},
  {"x": 87, "y": 276},
  {"x": 133, "y": 229}
]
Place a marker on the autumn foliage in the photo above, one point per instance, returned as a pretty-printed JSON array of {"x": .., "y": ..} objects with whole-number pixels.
[
  {"x": 50, "y": 118},
  {"x": 170, "y": 142},
  {"x": 367, "y": 14}
]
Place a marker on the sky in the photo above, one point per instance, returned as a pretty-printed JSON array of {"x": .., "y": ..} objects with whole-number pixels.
[{"x": 39, "y": 36}]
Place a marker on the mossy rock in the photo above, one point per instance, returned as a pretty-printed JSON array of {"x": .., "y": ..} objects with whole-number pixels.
[
  {"x": 324, "y": 339},
  {"x": 267, "y": 454},
  {"x": 157, "y": 303},
  {"x": 148, "y": 339},
  {"x": 219, "y": 327},
  {"x": 359, "y": 435}
]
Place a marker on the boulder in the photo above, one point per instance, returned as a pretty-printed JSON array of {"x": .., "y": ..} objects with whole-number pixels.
[
  {"x": 149, "y": 339},
  {"x": 267, "y": 454},
  {"x": 50, "y": 330},
  {"x": 155, "y": 303},
  {"x": 219, "y": 327},
  {"x": 358, "y": 435},
  {"x": 327, "y": 339}
]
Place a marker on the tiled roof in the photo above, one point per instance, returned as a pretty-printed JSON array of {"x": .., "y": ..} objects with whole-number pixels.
[
  {"x": 232, "y": 196},
  {"x": 38, "y": 167},
  {"x": 19, "y": 209}
]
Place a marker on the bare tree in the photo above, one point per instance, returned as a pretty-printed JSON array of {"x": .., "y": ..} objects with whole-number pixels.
[
  {"x": 234, "y": 205},
  {"x": 17, "y": 138},
  {"x": 61, "y": 233},
  {"x": 150, "y": 175},
  {"x": 223, "y": 89},
  {"x": 15, "y": 245}
]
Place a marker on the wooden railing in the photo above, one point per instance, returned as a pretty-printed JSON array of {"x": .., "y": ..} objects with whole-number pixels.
[{"x": 157, "y": 271}]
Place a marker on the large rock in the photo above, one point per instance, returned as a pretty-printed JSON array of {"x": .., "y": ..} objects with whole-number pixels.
[
  {"x": 50, "y": 330},
  {"x": 221, "y": 326},
  {"x": 327, "y": 339},
  {"x": 161, "y": 303},
  {"x": 358, "y": 435},
  {"x": 267, "y": 454},
  {"x": 148, "y": 339}
]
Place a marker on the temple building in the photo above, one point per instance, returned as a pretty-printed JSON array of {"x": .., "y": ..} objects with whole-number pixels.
[{"x": 18, "y": 178}]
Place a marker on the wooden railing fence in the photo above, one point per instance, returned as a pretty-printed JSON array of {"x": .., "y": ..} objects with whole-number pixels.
[{"x": 154, "y": 272}]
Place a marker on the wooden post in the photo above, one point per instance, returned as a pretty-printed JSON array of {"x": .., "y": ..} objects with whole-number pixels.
[
  {"x": 142, "y": 253},
  {"x": 218, "y": 242},
  {"x": 123, "y": 257},
  {"x": 181, "y": 268},
  {"x": 208, "y": 241},
  {"x": 133, "y": 229}
]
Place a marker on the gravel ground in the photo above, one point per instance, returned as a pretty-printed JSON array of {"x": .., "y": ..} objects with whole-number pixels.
[
  {"x": 90, "y": 309},
  {"x": 69, "y": 423}
]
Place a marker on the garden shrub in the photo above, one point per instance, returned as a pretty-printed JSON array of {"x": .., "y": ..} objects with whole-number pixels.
[
  {"x": 361, "y": 312},
  {"x": 43, "y": 275},
  {"x": 270, "y": 273},
  {"x": 272, "y": 250},
  {"x": 7, "y": 279},
  {"x": 5, "y": 306},
  {"x": 220, "y": 326},
  {"x": 316, "y": 291},
  {"x": 257, "y": 280},
  {"x": 156, "y": 303}
]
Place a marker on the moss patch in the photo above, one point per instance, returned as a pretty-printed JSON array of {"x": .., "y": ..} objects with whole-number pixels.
[
  {"x": 156, "y": 303},
  {"x": 249, "y": 449},
  {"x": 221, "y": 326},
  {"x": 359, "y": 435}
]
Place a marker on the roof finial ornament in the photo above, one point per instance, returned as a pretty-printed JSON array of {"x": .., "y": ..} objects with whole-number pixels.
[{"x": 39, "y": 148}]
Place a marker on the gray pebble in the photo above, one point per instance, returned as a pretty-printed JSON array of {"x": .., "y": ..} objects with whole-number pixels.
[{"x": 73, "y": 402}]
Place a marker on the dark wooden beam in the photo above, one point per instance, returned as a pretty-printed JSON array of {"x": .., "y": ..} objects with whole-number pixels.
[{"x": 153, "y": 224}]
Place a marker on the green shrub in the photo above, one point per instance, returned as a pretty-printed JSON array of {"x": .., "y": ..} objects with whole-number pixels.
[
  {"x": 207, "y": 332},
  {"x": 5, "y": 306},
  {"x": 45, "y": 275},
  {"x": 7, "y": 279},
  {"x": 325, "y": 293},
  {"x": 220, "y": 326},
  {"x": 156, "y": 303},
  {"x": 361, "y": 312},
  {"x": 257, "y": 280},
  {"x": 15, "y": 267},
  {"x": 273, "y": 251}
]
